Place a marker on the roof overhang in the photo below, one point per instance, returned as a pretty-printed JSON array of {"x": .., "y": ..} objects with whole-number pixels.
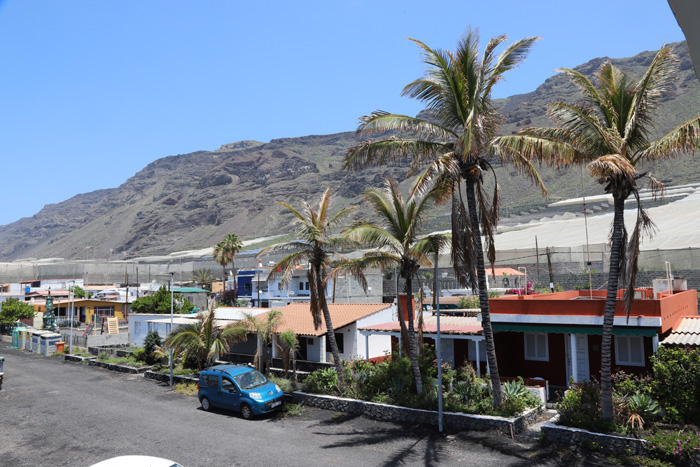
[{"x": 573, "y": 329}]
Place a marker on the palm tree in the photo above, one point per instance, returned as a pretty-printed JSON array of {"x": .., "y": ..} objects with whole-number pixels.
[
  {"x": 265, "y": 328},
  {"x": 290, "y": 342},
  {"x": 203, "y": 277},
  {"x": 226, "y": 250},
  {"x": 397, "y": 244},
  {"x": 204, "y": 338},
  {"x": 315, "y": 244},
  {"x": 610, "y": 132},
  {"x": 454, "y": 139}
]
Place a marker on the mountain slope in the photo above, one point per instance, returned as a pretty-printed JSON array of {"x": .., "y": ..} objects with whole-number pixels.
[{"x": 192, "y": 200}]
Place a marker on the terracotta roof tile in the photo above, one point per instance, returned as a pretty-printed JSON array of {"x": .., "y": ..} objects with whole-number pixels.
[
  {"x": 687, "y": 333},
  {"x": 297, "y": 316}
]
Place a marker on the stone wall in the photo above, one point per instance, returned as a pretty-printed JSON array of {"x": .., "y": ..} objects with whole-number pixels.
[
  {"x": 165, "y": 377},
  {"x": 407, "y": 415}
]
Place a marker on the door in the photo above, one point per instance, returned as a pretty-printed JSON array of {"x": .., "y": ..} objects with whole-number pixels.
[
  {"x": 230, "y": 396},
  {"x": 583, "y": 372}
]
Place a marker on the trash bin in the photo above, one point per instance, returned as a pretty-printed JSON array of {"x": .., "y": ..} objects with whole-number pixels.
[
  {"x": 2, "y": 364},
  {"x": 60, "y": 346}
]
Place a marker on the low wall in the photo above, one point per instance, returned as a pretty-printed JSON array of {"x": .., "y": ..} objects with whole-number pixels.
[
  {"x": 120, "y": 368},
  {"x": 302, "y": 365},
  {"x": 165, "y": 377},
  {"x": 77, "y": 358},
  {"x": 610, "y": 443},
  {"x": 407, "y": 415},
  {"x": 101, "y": 340}
]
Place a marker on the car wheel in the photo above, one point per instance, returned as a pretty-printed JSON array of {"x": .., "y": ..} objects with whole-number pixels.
[
  {"x": 246, "y": 411},
  {"x": 206, "y": 405}
]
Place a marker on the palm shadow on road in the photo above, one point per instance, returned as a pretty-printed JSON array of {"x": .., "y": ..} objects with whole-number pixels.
[{"x": 416, "y": 435}]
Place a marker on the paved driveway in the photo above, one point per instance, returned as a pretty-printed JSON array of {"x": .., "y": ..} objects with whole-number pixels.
[{"x": 57, "y": 413}]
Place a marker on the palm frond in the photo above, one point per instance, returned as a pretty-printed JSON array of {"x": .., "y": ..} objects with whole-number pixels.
[
  {"x": 391, "y": 149},
  {"x": 611, "y": 165},
  {"x": 685, "y": 138}
]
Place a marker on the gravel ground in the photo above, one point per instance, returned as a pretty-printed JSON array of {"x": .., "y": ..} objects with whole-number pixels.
[{"x": 58, "y": 413}]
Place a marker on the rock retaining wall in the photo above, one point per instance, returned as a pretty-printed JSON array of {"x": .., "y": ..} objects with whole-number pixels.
[
  {"x": 407, "y": 415},
  {"x": 608, "y": 443},
  {"x": 165, "y": 377},
  {"x": 115, "y": 367},
  {"x": 77, "y": 358}
]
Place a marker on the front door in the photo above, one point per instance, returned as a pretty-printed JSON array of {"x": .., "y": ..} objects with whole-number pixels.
[
  {"x": 582, "y": 369},
  {"x": 230, "y": 396}
]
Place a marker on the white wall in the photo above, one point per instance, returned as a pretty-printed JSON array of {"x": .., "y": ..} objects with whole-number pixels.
[
  {"x": 138, "y": 327},
  {"x": 354, "y": 342}
]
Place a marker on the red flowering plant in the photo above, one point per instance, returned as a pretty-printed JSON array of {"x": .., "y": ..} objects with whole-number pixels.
[{"x": 527, "y": 290}]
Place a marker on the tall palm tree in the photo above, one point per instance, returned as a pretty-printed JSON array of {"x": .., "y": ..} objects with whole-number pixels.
[
  {"x": 315, "y": 244},
  {"x": 265, "y": 328},
  {"x": 610, "y": 132},
  {"x": 204, "y": 338},
  {"x": 453, "y": 139},
  {"x": 397, "y": 244},
  {"x": 226, "y": 250}
]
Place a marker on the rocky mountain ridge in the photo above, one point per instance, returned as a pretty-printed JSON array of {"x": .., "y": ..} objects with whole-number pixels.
[{"x": 191, "y": 200}]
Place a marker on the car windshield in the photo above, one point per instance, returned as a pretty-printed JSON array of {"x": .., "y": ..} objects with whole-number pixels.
[{"x": 250, "y": 379}]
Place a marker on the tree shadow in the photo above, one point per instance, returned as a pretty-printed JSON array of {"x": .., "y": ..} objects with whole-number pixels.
[{"x": 422, "y": 443}]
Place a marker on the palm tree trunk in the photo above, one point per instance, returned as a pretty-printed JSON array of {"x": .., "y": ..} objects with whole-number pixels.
[
  {"x": 412, "y": 345},
  {"x": 223, "y": 281},
  {"x": 334, "y": 345},
  {"x": 606, "y": 396},
  {"x": 329, "y": 325},
  {"x": 484, "y": 296}
]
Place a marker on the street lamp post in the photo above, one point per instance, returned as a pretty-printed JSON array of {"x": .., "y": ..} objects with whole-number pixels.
[
  {"x": 72, "y": 311},
  {"x": 170, "y": 351},
  {"x": 439, "y": 343}
]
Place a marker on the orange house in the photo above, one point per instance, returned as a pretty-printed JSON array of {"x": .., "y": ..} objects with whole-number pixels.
[{"x": 558, "y": 336}]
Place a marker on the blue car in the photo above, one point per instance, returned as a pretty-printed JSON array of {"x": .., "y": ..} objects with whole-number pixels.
[{"x": 240, "y": 388}]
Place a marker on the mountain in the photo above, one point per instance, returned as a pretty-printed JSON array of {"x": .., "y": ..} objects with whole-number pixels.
[{"x": 191, "y": 200}]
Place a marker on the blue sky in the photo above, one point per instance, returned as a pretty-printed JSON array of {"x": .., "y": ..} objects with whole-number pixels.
[{"x": 93, "y": 91}]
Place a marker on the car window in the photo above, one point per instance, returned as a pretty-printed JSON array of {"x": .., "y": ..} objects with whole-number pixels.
[
  {"x": 250, "y": 379},
  {"x": 212, "y": 380},
  {"x": 227, "y": 385}
]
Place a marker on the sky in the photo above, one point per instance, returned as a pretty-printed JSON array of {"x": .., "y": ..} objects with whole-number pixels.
[{"x": 93, "y": 91}]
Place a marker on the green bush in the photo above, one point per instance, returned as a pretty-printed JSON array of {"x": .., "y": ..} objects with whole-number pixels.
[
  {"x": 103, "y": 355},
  {"x": 287, "y": 386},
  {"x": 150, "y": 343},
  {"x": 471, "y": 301},
  {"x": 580, "y": 408},
  {"x": 677, "y": 383},
  {"x": 516, "y": 398},
  {"x": 140, "y": 354},
  {"x": 191, "y": 360},
  {"x": 323, "y": 381},
  {"x": 673, "y": 446}
]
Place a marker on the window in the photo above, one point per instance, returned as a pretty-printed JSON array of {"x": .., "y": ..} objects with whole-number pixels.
[
  {"x": 338, "y": 340},
  {"x": 212, "y": 381},
  {"x": 227, "y": 385},
  {"x": 105, "y": 311},
  {"x": 247, "y": 288},
  {"x": 137, "y": 327},
  {"x": 629, "y": 350},
  {"x": 536, "y": 346}
]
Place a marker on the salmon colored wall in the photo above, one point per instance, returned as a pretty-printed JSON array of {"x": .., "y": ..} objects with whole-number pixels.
[
  {"x": 676, "y": 306},
  {"x": 670, "y": 308}
]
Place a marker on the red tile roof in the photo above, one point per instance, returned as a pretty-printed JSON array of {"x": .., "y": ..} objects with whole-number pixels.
[
  {"x": 448, "y": 325},
  {"x": 297, "y": 316}
]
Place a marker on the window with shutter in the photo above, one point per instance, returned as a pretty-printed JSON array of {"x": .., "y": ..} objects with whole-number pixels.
[
  {"x": 629, "y": 350},
  {"x": 536, "y": 346}
]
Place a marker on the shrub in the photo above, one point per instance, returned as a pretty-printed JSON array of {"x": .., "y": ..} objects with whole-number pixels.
[
  {"x": 626, "y": 385},
  {"x": 516, "y": 398},
  {"x": 644, "y": 406},
  {"x": 190, "y": 360},
  {"x": 103, "y": 355},
  {"x": 677, "y": 383},
  {"x": 673, "y": 446},
  {"x": 285, "y": 385},
  {"x": 323, "y": 381},
  {"x": 580, "y": 408},
  {"x": 140, "y": 354},
  {"x": 471, "y": 301},
  {"x": 150, "y": 343},
  {"x": 188, "y": 389}
]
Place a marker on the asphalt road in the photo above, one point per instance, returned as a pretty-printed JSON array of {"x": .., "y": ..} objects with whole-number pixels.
[{"x": 58, "y": 413}]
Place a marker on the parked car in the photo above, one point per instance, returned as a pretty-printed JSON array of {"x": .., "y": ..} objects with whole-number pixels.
[{"x": 240, "y": 388}]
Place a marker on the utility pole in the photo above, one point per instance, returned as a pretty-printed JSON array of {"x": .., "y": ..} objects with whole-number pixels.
[
  {"x": 551, "y": 276},
  {"x": 537, "y": 256},
  {"x": 170, "y": 350}
]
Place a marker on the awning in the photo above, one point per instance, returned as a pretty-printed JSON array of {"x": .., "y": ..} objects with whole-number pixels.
[{"x": 548, "y": 328}]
